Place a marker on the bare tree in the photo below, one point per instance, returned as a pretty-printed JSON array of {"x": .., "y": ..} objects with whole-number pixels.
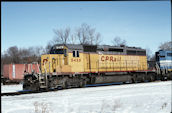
[
  {"x": 148, "y": 53},
  {"x": 25, "y": 54},
  {"x": 48, "y": 47},
  {"x": 91, "y": 37},
  {"x": 37, "y": 52},
  {"x": 117, "y": 41},
  {"x": 153, "y": 57},
  {"x": 13, "y": 53},
  {"x": 73, "y": 39},
  {"x": 22, "y": 55},
  {"x": 88, "y": 35},
  {"x": 82, "y": 33},
  {"x": 98, "y": 39},
  {"x": 61, "y": 36},
  {"x": 166, "y": 46},
  {"x": 5, "y": 59}
]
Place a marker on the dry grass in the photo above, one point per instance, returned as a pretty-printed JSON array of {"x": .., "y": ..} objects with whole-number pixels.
[
  {"x": 112, "y": 107},
  {"x": 117, "y": 104},
  {"x": 41, "y": 107},
  {"x": 164, "y": 105}
]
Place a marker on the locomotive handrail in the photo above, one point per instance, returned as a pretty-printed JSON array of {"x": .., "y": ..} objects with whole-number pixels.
[
  {"x": 37, "y": 66},
  {"x": 157, "y": 68},
  {"x": 45, "y": 68}
]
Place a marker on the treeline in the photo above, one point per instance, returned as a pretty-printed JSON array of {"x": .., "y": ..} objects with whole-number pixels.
[
  {"x": 21, "y": 55},
  {"x": 15, "y": 55}
]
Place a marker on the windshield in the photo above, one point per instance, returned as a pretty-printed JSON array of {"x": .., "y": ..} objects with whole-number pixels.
[{"x": 57, "y": 51}]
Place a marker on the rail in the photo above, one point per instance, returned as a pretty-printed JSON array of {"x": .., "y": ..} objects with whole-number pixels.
[
  {"x": 18, "y": 93},
  {"x": 53, "y": 90},
  {"x": 26, "y": 92}
]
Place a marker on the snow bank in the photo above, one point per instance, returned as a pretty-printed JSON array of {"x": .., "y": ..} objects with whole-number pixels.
[
  {"x": 131, "y": 98},
  {"x": 11, "y": 88}
]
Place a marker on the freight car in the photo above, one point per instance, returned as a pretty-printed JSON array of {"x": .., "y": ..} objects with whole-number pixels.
[
  {"x": 72, "y": 65},
  {"x": 14, "y": 73}
]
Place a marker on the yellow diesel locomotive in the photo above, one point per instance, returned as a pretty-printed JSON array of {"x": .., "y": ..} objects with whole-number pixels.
[{"x": 74, "y": 65}]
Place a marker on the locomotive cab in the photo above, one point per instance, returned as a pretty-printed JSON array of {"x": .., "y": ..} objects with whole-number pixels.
[
  {"x": 56, "y": 62},
  {"x": 164, "y": 59}
]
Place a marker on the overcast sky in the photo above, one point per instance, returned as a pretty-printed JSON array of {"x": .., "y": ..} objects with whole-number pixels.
[{"x": 142, "y": 24}]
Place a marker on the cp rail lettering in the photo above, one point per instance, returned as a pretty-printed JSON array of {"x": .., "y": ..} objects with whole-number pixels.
[{"x": 110, "y": 58}]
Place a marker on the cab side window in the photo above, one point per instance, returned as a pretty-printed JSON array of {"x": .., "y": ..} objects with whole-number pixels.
[{"x": 75, "y": 53}]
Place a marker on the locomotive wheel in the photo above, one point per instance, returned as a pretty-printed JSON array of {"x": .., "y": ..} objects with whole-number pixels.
[
  {"x": 67, "y": 86},
  {"x": 170, "y": 78},
  {"x": 130, "y": 81},
  {"x": 143, "y": 79},
  {"x": 82, "y": 84},
  {"x": 63, "y": 86},
  {"x": 134, "y": 79},
  {"x": 150, "y": 78},
  {"x": 162, "y": 78},
  {"x": 153, "y": 78}
]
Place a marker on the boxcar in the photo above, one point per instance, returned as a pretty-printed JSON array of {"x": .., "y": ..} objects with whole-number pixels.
[{"x": 15, "y": 72}]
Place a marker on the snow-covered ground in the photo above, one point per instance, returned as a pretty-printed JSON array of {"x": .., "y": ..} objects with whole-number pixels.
[
  {"x": 152, "y": 97},
  {"x": 11, "y": 88}
]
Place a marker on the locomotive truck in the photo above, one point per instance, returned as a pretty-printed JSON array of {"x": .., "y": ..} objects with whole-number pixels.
[{"x": 74, "y": 65}]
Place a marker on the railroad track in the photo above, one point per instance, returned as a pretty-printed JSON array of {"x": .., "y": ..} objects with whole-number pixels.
[
  {"x": 31, "y": 92},
  {"x": 24, "y": 92}
]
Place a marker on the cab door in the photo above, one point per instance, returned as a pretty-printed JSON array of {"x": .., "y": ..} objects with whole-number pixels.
[
  {"x": 93, "y": 61},
  {"x": 87, "y": 65}
]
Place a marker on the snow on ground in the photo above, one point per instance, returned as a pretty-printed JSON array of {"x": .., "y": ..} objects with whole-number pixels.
[
  {"x": 152, "y": 97},
  {"x": 11, "y": 88}
]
